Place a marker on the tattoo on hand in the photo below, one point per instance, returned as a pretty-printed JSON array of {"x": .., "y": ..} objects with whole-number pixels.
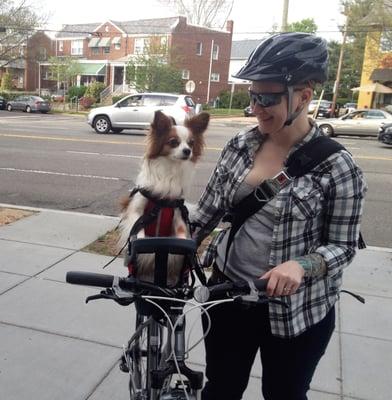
[{"x": 313, "y": 264}]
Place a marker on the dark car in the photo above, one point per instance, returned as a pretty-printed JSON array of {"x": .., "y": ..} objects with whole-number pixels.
[
  {"x": 29, "y": 104},
  {"x": 248, "y": 112},
  {"x": 325, "y": 108},
  {"x": 385, "y": 134},
  {"x": 2, "y": 103}
]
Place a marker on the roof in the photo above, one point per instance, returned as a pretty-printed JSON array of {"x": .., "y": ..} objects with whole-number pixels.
[
  {"x": 381, "y": 75},
  {"x": 92, "y": 69},
  {"x": 241, "y": 49},
  {"x": 76, "y": 30}
]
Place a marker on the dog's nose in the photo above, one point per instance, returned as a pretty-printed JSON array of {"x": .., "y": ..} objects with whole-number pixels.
[{"x": 186, "y": 152}]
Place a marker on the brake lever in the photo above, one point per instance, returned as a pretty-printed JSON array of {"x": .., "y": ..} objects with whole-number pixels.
[{"x": 109, "y": 294}]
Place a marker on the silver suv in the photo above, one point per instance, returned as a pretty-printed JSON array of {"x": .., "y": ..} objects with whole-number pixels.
[{"x": 137, "y": 111}]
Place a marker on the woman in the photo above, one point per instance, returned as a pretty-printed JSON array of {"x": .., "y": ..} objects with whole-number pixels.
[{"x": 300, "y": 240}]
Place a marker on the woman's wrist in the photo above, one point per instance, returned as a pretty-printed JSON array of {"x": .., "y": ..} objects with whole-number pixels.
[{"x": 313, "y": 264}]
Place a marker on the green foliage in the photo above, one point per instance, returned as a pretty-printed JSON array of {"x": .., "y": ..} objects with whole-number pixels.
[
  {"x": 78, "y": 91},
  {"x": 150, "y": 71},
  {"x": 64, "y": 70},
  {"x": 12, "y": 95},
  {"x": 6, "y": 81},
  {"x": 306, "y": 25},
  {"x": 240, "y": 99},
  {"x": 94, "y": 90}
]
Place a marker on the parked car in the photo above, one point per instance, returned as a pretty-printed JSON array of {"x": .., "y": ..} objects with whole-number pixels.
[
  {"x": 137, "y": 111},
  {"x": 385, "y": 133},
  {"x": 360, "y": 123},
  {"x": 29, "y": 104},
  {"x": 3, "y": 103},
  {"x": 248, "y": 112},
  {"x": 349, "y": 107},
  {"x": 325, "y": 109}
]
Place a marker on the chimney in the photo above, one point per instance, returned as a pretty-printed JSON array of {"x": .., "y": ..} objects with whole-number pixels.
[{"x": 229, "y": 26}]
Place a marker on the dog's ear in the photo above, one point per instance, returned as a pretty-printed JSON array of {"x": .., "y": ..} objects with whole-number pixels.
[
  {"x": 199, "y": 123},
  {"x": 162, "y": 123}
]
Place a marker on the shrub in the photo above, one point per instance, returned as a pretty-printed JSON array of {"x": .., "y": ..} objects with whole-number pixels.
[
  {"x": 6, "y": 81},
  {"x": 94, "y": 90},
  {"x": 78, "y": 91},
  {"x": 86, "y": 102},
  {"x": 240, "y": 99}
]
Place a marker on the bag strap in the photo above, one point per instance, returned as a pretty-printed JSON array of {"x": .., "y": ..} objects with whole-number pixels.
[{"x": 299, "y": 163}]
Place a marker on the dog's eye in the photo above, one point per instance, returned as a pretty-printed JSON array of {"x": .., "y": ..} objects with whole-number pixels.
[
  {"x": 191, "y": 142},
  {"x": 173, "y": 142}
]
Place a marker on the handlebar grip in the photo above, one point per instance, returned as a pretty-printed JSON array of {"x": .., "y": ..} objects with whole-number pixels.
[
  {"x": 89, "y": 279},
  {"x": 261, "y": 284}
]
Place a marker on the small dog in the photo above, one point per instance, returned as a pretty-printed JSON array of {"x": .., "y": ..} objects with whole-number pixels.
[{"x": 166, "y": 174}]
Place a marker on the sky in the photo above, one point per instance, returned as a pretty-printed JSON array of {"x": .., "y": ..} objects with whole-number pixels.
[{"x": 251, "y": 17}]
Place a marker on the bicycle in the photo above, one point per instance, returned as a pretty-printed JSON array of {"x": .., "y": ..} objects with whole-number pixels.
[{"x": 156, "y": 351}]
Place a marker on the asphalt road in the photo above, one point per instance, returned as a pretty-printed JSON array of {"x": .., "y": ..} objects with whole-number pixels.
[{"x": 59, "y": 162}]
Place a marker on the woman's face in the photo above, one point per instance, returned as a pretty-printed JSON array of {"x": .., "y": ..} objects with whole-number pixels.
[{"x": 271, "y": 119}]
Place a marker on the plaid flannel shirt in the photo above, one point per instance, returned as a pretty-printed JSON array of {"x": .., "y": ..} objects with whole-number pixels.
[{"x": 319, "y": 212}]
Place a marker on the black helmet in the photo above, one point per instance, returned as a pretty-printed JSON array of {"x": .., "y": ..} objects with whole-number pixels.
[{"x": 288, "y": 58}]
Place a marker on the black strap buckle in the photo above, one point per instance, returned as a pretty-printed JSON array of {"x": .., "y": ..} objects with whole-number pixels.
[{"x": 270, "y": 187}]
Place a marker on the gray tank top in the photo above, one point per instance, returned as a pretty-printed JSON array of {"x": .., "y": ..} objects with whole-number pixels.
[{"x": 250, "y": 250}]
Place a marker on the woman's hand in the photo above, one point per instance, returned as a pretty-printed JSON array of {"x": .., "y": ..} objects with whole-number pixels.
[{"x": 284, "y": 279}]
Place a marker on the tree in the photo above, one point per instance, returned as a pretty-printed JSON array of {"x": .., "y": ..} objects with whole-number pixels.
[
  {"x": 64, "y": 70},
  {"x": 306, "y": 25},
  {"x": 152, "y": 71},
  {"x": 203, "y": 12},
  {"x": 19, "y": 20},
  {"x": 6, "y": 81}
]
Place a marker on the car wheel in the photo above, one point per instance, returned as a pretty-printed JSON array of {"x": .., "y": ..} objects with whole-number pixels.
[
  {"x": 117, "y": 130},
  {"x": 327, "y": 130},
  {"x": 28, "y": 109},
  {"x": 9, "y": 107},
  {"x": 102, "y": 124}
]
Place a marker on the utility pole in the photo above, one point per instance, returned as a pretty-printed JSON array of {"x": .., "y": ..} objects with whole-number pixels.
[
  {"x": 338, "y": 72},
  {"x": 285, "y": 15}
]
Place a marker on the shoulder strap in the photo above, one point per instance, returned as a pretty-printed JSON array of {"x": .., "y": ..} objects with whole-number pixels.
[{"x": 299, "y": 163}]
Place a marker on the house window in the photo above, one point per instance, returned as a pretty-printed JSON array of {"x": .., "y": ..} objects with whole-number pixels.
[
  {"x": 106, "y": 50},
  {"x": 386, "y": 42},
  {"x": 95, "y": 51},
  {"x": 215, "y": 52},
  {"x": 163, "y": 41},
  {"x": 215, "y": 77},
  {"x": 117, "y": 46},
  {"x": 61, "y": 45},
  {"x": 42, "y": 54},
  {"x": 140, "y": 45},
  {"x": 199, "y": 48},
  {"x": 77, "y": 47},
  {"x": 185, "y": 74}
]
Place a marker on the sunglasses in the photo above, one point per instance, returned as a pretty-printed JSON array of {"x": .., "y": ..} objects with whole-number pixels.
[{"x": 268, "y": 99}]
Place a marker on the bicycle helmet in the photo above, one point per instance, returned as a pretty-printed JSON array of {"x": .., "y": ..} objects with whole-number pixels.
[{"x": 287, "y": 58}]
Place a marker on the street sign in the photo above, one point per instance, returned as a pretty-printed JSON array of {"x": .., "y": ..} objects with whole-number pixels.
[{"x": 190, "y": 87}]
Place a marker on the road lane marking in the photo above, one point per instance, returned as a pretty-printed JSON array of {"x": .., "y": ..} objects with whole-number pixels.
[
  {"x": 84, "y": 140},
  {"x": 103, "y": 154},
  {"x": 34, "y": 171},
  {"x": 373, "y": 158}
]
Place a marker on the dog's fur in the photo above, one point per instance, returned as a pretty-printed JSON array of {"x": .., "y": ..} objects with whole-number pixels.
[{"x": 166, "y": 172}]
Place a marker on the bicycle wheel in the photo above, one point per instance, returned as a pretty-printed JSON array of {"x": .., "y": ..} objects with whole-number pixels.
[{"x": 141, "y": 356}]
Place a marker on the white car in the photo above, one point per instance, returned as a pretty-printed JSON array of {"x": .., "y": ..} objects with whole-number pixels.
[
  {"x": 137, "y": 111},
  {"x": 359, "y": 123}
]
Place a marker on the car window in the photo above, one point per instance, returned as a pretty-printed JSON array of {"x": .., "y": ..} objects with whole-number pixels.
[
  {"x": 374, "y": 114},
  {"x": 189, "y": 101},
  {"x": 132, "y": 101},
  {"x": 168, "y": 100},
  {"x": 152, "y": 100},
  {"x": 356, "y": 115}
]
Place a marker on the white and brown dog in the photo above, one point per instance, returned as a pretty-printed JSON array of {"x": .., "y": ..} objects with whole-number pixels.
[{"x": 166, "y": 173}]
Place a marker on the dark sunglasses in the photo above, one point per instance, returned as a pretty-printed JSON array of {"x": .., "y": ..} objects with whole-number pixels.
[{"x": 266, "y": 99}]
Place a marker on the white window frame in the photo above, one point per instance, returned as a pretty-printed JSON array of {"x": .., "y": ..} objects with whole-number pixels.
[
  {"x": 185, "y": 74},
  {"x": 215, "y": 76},
  {"x": 76, "y": 47},
  {"x": 199, "y": 48},
  {"x": 61, "y": 45},
  {"x": 140, "y": 45},
  {"x": 215, "y": 52},
  {"x": 117, "y": 46},
  {"x": 386, "y": 42}
]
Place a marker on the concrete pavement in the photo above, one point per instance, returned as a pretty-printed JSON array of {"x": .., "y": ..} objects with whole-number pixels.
[{"x": 53, "y": 346}]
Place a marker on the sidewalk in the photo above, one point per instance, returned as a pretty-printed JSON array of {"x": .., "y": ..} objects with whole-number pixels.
[{"x": 55, "y": 347}]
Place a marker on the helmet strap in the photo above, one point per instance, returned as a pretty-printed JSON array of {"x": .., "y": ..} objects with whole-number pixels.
[{"x": 291, "y": 116}]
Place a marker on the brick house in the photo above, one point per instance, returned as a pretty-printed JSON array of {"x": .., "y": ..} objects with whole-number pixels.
[
  {"x": 104, "y": 50},
  {"x": 24, "y": 61}
]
